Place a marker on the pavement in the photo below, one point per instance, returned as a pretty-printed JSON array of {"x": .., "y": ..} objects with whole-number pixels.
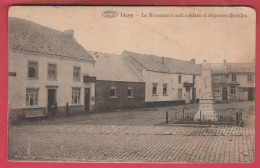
[
  {"x": 131, "y": 136},
  {"x": 90, "y": 143}
]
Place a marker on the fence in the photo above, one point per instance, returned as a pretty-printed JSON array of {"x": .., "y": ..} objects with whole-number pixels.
[{"x": 221, "y": 117}]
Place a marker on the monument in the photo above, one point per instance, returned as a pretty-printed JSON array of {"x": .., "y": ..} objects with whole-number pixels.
[{"x": 206, "y": 112}]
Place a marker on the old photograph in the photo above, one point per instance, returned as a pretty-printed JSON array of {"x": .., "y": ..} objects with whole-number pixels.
[{"x": 131, "y": 84}]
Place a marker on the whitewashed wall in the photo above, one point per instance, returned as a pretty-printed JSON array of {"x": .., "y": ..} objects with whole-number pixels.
[
  {"x": 18, "y": 63},
  {"x": 172, "y": 86}
]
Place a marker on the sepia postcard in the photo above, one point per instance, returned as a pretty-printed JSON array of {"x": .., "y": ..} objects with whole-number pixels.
[{"x": 131, "y": 84}]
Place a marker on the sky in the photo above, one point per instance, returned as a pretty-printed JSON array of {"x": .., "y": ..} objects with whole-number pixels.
[{"x": 181, "y": 37}]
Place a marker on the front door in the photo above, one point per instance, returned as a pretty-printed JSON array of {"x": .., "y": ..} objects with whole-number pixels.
[
  {"x": 52, "y": 105},
  {"x": 251, "y": 94},
  {"x": 187, "y": 95},
  {"x": 224, "y": 93},
  {"x": 87, "y": 99},
  {"x": 233, "y": 93}
]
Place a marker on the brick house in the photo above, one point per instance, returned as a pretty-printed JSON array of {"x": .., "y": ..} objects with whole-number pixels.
[
  {"x": 117, "y": 86},
  {"x": 47, "y": 68},
  {"x": 233, "y": 81},
  {"x": 168, "y": 81}
]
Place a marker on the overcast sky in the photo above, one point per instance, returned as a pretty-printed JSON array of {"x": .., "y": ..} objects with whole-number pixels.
[{"x": 202, "y": 38}]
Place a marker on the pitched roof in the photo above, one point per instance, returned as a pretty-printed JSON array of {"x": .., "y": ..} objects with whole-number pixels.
[
  {"x": 241, "y": 67},
  {"x": 164, "y": 64},
  {"x": 219, "y": 68},
  {"x": 113, "y": 68},
  {"x": 27, "y": 36}
]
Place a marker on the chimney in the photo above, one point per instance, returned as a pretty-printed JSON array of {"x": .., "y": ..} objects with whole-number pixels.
[
  {"x": 69, "y": 32},
  {"x": 162, "y": 60},
  {"x": 225, "y": 62},
  {"x": 193, "y": 61}
]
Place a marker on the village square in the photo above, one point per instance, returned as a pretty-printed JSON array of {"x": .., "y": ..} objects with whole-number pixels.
[{"x": 68, "y": 103}]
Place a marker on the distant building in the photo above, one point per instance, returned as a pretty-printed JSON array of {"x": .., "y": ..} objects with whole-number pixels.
[
  {"x": 233, "y": 81},
  {"x": 168, "y": 81},
  {"x": 117, "y": 86},
  {"x": 220, "y": 83},
  {"x": 47, "y": 69}
]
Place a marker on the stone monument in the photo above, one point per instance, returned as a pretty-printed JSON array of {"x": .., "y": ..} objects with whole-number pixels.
[{"x": 206, "y": 111}]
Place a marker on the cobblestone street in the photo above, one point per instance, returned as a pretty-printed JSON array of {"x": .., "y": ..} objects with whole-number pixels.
[
  {"x": 131, "y": 136},
  {"x": 132, "y": 144}
]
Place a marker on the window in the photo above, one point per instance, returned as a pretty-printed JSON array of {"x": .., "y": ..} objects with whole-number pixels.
[
  {"x": 216, "y": 91},
  {"x": 113, "y": 91},
  {"x": 216, "y": 78},
  {"x": 165, "y": 89},
  {"x": 76, "y": 73},
  {"x": 179, "y": 79},
  {"x": 233, "y": 90},
  {"x": 154, "y": 88},
  {"x": 52, "y": 72},
  {"x": 130, "y": 92},
  {"x": 75, "y": 95},
  {"x": 249, "y": 78},
  {"x": 234, "y": 78},
  {"x": 179, "y": 93},
  {"x": 33, "y": 70},
  {"x": 243, "y": 89},
  {"x": 32, "y": 97}
]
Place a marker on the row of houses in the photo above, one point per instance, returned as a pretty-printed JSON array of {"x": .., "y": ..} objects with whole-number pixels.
[
  {"x": 233, "y": 81},
  {"x": 49, "y": 68}
]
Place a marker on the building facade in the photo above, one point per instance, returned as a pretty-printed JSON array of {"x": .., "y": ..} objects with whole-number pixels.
[
  {"x": 233, "y": 81},
  {"x": 47, "y": 69},
  {"x": 168, "y": 81},
  {"x": 117, "y": 85}
]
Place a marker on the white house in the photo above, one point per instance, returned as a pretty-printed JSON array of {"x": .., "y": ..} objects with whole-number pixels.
[
  {"x": 168, "y": 81},
  {"x": 47, "y": 69}
]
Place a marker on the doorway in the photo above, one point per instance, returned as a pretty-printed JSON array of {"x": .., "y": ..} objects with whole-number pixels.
[
  {"x": 224, "y": 93},
  {"x": 52, "y": 103},
  {"x": 87, "y": 99},
  {"x": 251, "y": 94},
  {"x": 187, "y": 96}
]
